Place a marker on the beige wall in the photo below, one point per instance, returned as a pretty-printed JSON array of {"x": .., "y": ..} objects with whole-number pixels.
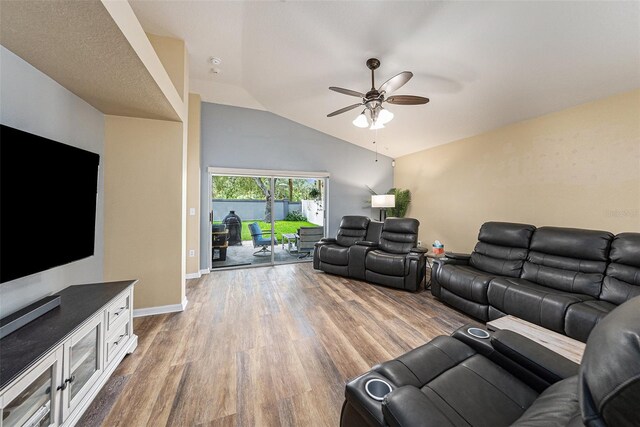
[
  {"x": 143, "y": 209},
  {"x": 171, "y": 53},
  {"x": 193, "y": 184},
  {"x": 578, "y": 168}
]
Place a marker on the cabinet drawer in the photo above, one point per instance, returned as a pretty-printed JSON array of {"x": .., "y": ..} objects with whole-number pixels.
[
  {"x": 117, "y": 340},
  {"x": 119, "y": 309}
]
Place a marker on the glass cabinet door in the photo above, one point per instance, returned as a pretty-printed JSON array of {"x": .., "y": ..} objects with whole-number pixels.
[
  {"x": 83, "y": 359},
  {"x": 32, "y": 401},
  {"x": 83, "y": 363}
]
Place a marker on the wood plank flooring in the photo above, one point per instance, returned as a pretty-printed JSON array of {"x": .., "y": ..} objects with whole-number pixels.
[{"x": 269, "y": 346}]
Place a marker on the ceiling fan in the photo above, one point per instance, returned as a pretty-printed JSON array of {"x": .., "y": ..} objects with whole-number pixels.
[{"x": 373, "y": 100}]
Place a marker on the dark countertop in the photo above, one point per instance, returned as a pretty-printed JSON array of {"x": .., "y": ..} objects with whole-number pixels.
[{"x": 24, "y": 347}]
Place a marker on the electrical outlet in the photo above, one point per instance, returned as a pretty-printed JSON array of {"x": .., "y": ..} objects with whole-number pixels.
[
  {"x": 192, "y": 253},
  {"x": 419, "y": 242}
]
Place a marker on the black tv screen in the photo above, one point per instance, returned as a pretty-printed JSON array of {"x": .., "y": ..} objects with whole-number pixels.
[{"x": 48, "y": 196}]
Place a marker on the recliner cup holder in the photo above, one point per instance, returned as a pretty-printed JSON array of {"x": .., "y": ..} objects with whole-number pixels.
[
  {"x": 478, "y": 333},
  {"x": 377, "y": 389}
]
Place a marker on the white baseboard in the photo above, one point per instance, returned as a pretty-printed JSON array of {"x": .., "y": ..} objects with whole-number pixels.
[
  {"x": 205, "y": 271},
  {"x": 162, "y": 309},
  {"x": 193, "y": 275}
]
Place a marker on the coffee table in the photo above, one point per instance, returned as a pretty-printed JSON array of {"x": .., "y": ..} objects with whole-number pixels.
[{"x": 561, "y": 344}]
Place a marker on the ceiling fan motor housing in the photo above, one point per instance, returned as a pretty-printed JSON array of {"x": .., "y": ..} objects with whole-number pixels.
[{"x": 373, "y": 63}]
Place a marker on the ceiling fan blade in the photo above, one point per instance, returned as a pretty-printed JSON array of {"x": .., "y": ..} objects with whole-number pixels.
[
  {"x": 407, "y": 100},
  {"x": 396, "y": 82},
  {"x": 344, "y": 110},
  {"x": 347, "y": 91}
]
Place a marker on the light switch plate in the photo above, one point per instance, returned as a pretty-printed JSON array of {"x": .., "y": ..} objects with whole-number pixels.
[{"x": 192, "y": 211}]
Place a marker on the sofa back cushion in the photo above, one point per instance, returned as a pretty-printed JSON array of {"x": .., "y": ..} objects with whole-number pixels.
[
  {"x": 622, "y": 279},
  {"x": 399, "y": 235},
  {"x": 502, "y": 248},
  {"x": 568, "y": 259},
  {"x": 352, "y": 229}
]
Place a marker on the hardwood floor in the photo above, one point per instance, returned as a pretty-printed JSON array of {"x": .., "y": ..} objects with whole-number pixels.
[{"x": 264, "y": 347}]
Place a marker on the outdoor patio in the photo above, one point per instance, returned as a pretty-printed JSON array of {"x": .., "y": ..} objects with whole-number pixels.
[{"x": 242, "y": 255}]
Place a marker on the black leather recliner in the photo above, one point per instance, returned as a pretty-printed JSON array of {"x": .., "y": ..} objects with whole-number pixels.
[
  {"x": 332, "y": 254},
  {"x": 564, "y": 266},
  {"x": 381, "y": 253},
  {"x": 462, "y": 280},
  {"x": 507, "y": 380},
  {"x": 621, "y": 282},
  {"x": 397, "y": 261}
]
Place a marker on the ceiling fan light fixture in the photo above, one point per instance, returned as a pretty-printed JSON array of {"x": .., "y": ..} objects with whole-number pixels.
[
  {"x": 377, "y": 125},
  {"x": 361, "y": 121},
  {"x": 384, "y": 116}
]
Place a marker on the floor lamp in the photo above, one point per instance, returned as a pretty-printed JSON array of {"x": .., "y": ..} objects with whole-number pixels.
[{"x": 383, "y": 201}]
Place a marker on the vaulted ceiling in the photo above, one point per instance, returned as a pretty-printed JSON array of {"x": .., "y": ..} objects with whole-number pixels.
[{"x": 482, "y": 64}]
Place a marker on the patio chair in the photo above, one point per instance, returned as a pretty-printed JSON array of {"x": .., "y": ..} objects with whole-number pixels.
[
  {"x": 307, "y": 238},
  {"x": 260, "y": 241}
]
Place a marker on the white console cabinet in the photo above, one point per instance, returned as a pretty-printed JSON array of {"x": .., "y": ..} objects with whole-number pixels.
[{"x": 57, "y": 386}]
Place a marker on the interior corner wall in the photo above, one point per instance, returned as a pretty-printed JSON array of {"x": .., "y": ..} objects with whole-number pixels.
[
  {"x": 143, "y": 208},
  {"x": 575, "y": 168},
  {"x": 31, "y": 101},
  {"x": 193, "y": 185},
  {"x": 235, "y": 137}
]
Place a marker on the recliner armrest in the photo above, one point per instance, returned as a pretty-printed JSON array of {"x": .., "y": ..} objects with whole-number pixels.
[
  {"x": 546, "y": 364},
  {"x": 367, "y": 243},
  {"x": 328, "y": 240},
  {"x": 408, "y": 406},
  {"x": 457, "y": 256},
  {"x": 419, "y": 250}
]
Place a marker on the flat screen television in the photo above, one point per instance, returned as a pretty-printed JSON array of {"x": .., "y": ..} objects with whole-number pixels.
[{"x": 48, "y": 196}]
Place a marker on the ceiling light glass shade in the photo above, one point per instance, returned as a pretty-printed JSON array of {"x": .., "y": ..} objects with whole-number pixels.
[
  {"x": 385, "y": 116},
  {"x": 377, "y": 125},
  {"x": 383, "y": 201},
  {"x": 361, "y": 121}
]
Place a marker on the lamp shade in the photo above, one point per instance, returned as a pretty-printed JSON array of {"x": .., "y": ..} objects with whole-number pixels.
[
  {"x": 383, "y": 201},
  {"x": 361, "y": 121}
]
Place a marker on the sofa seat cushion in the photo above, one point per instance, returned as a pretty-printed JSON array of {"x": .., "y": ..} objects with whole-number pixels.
[
  {"x": 582, "y": 318},
  {"x": 386, "y": 263},
  {"x": 557, "y": 406},
  {"x": 532, "y": 302},
  {"x": 464, "y": 386},
  {"x": 334, "y": 254},
  {"x": 465, "y": 281}
]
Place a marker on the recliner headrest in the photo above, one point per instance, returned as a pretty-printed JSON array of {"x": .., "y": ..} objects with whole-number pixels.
[
  {"x": 610, "y": 370},
  {"x": 354, "y": 222},
  {"x": 625, "y": 249},
  {"x": 401, "y": 225},
  {"x": 508, "y": 234},
  {"x": 572, "y": 243}
]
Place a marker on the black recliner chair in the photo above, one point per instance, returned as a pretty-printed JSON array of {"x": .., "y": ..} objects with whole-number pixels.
[
  {"x": 506, "y": 380},
  {"x": 332, "y": 254},
  {"x": 397, "y": 261}
]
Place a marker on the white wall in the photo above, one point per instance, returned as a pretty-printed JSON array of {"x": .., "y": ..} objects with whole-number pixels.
[
  {"x": 33, "y": 102},
  {"x": 235, "y": 137}
]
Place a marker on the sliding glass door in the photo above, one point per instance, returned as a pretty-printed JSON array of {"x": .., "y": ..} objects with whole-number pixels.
[{"x": 265, "y": 218}]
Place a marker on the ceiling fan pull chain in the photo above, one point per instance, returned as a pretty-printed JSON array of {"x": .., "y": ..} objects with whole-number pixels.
[{"x": 374, "y": 143}]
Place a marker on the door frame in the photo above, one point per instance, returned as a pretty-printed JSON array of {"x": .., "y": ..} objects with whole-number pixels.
[{"x": 266, "y": 173}]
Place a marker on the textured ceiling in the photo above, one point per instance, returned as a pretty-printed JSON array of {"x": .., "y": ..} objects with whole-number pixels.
[
  {"x": 482, "y": 64},
  {"x": 78, "y": 44}
]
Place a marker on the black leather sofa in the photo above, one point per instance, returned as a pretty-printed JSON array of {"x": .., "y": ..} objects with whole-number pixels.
[
  {"x": 504, "y": 380},
  {"x": 563, "y": 279},
  {"x": 382, "y": 253}
]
